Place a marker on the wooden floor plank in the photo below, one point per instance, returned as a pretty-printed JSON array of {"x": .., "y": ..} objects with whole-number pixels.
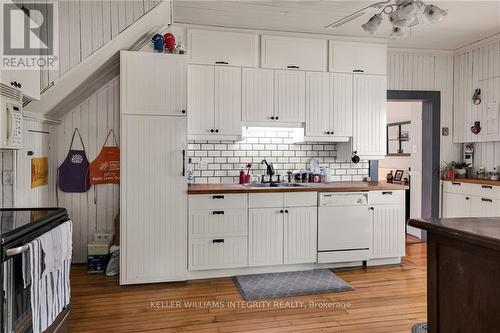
[{"x": 385, "y": 299}]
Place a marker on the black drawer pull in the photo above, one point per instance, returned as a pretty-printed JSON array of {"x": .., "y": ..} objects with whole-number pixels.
[
  {"x": 467, "y": 198},
  {"x": 217, "y": 197},
  {"x": 371, "y": 208},
  {"x": 218, "y": 241},
  {"x": 486, "y": 200},
  {"x": 221, "y": 63},
  {"x": 386, "y": 193},
  {"x": 281, "y": 211},
  {"x": 487, "y": 186},
  {"x": 358, "y": 71},
  {"x": 455, "y": 183},
  {"x": 218, "y": 212},
  {"x": 292, "y": 67},
  {"x": 286, "y": 211}
]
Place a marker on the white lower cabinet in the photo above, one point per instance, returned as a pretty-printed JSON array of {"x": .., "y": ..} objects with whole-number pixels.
[
  {"x": 265, "y": 236},
  {"x": 218, "y": 231},
  {"x": 470, "y": 200},
  {"x": 300, "y": 235},
  {"x": 456, "y": 205},
  {"x": 387, "y": 224}
]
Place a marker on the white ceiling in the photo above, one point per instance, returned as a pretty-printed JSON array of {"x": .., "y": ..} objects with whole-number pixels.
[{"x": 467, "y": 21}]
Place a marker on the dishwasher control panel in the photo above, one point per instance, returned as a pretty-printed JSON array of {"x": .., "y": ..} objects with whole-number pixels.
[{"x": 343, "y": 199}]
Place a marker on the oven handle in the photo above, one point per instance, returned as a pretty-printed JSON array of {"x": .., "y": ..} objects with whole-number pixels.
[{"x": 17, "y": 250}]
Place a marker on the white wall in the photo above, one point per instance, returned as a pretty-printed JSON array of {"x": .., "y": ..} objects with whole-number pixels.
[
  {"x": 95, "y": 210},
  {"x": 414, "y": 70}
]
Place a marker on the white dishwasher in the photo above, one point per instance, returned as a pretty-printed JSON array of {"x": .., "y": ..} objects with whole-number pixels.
[{"x": 343, "y": 227}]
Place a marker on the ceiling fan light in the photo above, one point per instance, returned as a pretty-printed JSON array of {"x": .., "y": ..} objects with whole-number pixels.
[
  {"x": 399, "y": 32},
  {"x": 408, "y": 9},
  {"x": 373, "y": 23},
  {"x": 434, "y": 13}
]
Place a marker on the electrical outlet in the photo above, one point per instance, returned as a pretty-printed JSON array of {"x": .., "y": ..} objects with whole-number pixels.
[
  {"x": 103, "y": 237},
  {"x": 8, "y": 177}
]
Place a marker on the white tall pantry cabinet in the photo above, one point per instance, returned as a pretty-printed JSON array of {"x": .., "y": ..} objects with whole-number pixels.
[{"x": 153, "y": 191}]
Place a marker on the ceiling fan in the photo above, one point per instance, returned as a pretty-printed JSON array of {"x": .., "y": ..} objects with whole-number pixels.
[{"x": 403, "y": 14}]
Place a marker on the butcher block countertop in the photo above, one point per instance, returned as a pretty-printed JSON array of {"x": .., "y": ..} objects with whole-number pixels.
[
  {"x": 474, "y": 181},
  {"x": 305, "y": 187}
]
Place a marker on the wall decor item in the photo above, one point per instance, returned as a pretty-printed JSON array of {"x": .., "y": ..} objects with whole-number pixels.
[
  {"x": 476, "y": 98},
  {"x": 39, "y": 171},
  {"x": 398, "y": 139},
  {"x": 476, "y": 128},
  {"x": 73, "y": 174},
  {"x": 105, "y": 169},
  {"x": 398, "y": 176},
  {"x": 157, "y": 40}
]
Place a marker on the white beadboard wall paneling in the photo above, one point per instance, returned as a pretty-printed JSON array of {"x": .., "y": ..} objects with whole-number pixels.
[
  {"x": 86, "y": 25},
  {"x": 6, "y": 191},
  {"x": 38, "y": 138},
  {"x": 427, "y": 71},
  {"x": 95, "y": 210}
]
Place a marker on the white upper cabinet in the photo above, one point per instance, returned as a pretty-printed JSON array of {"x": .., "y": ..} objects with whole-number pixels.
[
  {"x": 328, "y": 106},
  {"x": 293, "y": 53},
  {"x": 348, "y": 57},
  {"x": 153, "y": 83},
  {"x": 212, "y": 47},
  {"x": 214, "y": 102},
  {"x": 290, "y": 99},
  {"x": 26, "y": 81},
  {"x": 369, "y": 120},
  {"x": 257, "y": 94}
]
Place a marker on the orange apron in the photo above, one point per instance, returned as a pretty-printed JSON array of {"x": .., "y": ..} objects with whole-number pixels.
[{"x": 105, "y": 169}]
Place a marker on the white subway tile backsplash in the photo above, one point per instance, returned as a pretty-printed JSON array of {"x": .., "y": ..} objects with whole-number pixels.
[{"x": 221, "y": 162}]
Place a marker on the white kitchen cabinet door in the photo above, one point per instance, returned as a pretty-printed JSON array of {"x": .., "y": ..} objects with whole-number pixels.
[
  {"x": 217, "y": 253},
  {"x": 201, "y": 100},
  {"x": 212, "y": 47},
  {"x": 153, "y": 83},
  {"x": 257, "y": 95},
  {"x": 290, "y": 96},
  {"x": 388, "y": 231},
  {"x": 341, "y": 103},
  {"x": 348, "y": 57},
  {"x": 319, "y": 117},
  {"x": 456, "y": 205},
  {"x": 228, "y": 101},
  {"x": 153, "y": 199},
  {"x": 484, "y": 207},
  {"x": 265, "y": 236},
  {"x": 25, "y": 81},
  {"x": 369, "y": 120},
  {"x": 300, "y": 235},
  {"x": 306, "y": 54}
]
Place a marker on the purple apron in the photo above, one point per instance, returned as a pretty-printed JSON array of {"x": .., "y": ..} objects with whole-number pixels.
[{"x": 73, "y": 173}]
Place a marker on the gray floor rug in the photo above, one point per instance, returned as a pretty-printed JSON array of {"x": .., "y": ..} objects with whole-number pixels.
[
  {"x": 419, "y": 328},
  {"x": 273, "y": 285}
]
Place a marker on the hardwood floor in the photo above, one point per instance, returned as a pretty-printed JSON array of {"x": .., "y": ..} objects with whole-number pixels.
[{"x": 386, "y": 299}]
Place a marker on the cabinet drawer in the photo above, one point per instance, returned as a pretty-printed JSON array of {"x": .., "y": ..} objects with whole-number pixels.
[
  {"x": 217, "y": 223},
  {"x": 347, "y": 57},
  {"x": 484, "y": 190},
  {"x": 459, "y": 188},
  {"x": 217, "y": 253},
  {"x": 300, "y": 199},
  {"x": 386, "y": 197},
  {"x": 217, "y": 201},
  {"x": 265, "y": 200}
]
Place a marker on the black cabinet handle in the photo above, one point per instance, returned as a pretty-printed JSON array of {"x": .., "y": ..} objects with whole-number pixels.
[
  {"x": 276, "y": 118},
  {"x": 30, "y": 153},
  {"x": 386, "y": 193},
  {"x": 292, "y": 67},
  {"x": 455, "y": 183},
  {"x": 467, "y": 198},
  {"x": 272, "y": 118},
  {"x": 183, "y": 111},
  {"x": 216, "y": 131},
  {"x": 327, "y": 132},
  {"x": 487, "y": 186},
  {"x": 218, "y": 241},
  {"x": 218, "y": 212},
  {"x": 332, "y": 132},
  {"x": 281, "y": 211},
  {"x": 19, "y": 85},
  {"x": 371, "y": 208},
  {"x": 217, "y": 197},
  {"x": 221, "y": 63},
  {"x": 486, "y": 200},
  {"x": 184, "y": 162},
  {"x": 286, "y": 211},
  {"x": 358, "y": 71},
  {"x": 212, "y": 130}
]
